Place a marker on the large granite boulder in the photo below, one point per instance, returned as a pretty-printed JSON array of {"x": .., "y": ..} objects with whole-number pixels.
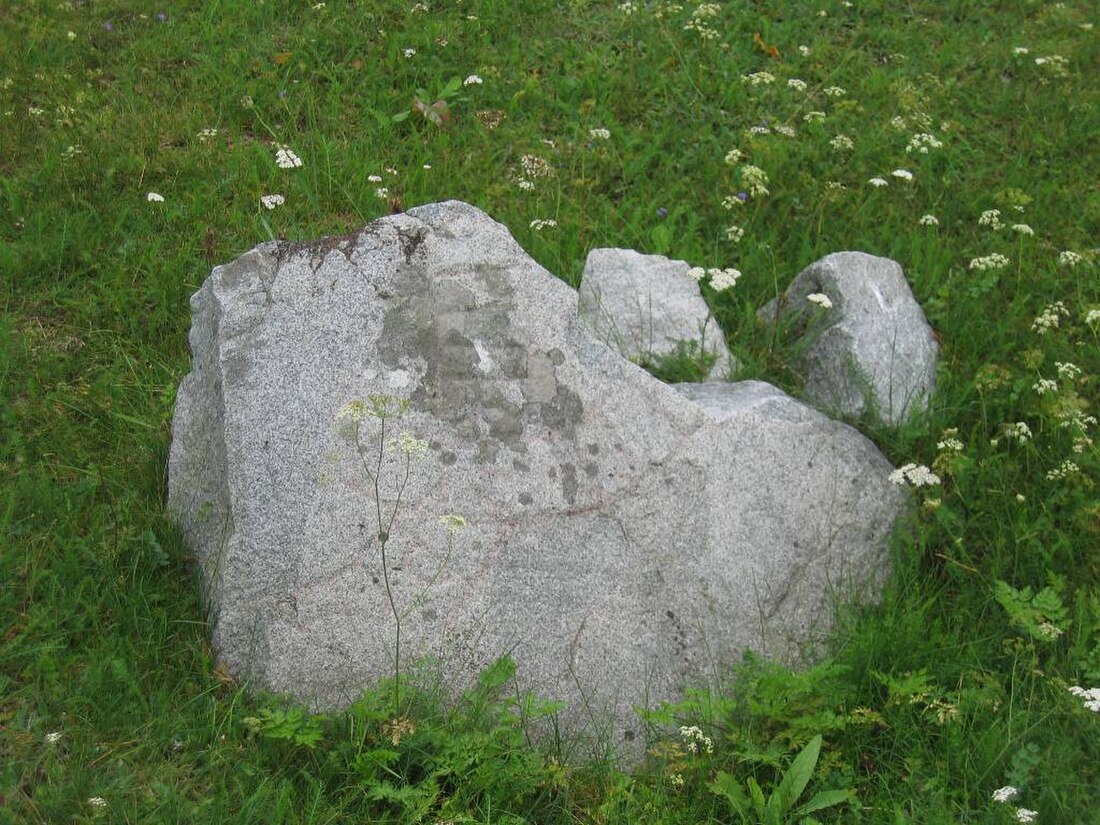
[
  {"x": 625, "y": 538},
  {"x": 645, "y": 306},
  {"x": 867, "y": 346}
]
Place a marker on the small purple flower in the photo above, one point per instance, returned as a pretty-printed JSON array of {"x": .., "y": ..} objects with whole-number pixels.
[
  {"x": 742, "y": 196},
  {"x": 662, "y": 212},
  {"x": 108, "y": 26}
]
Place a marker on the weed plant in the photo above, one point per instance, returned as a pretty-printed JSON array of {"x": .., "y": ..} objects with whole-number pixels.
[{"x": 141, "y": 145}]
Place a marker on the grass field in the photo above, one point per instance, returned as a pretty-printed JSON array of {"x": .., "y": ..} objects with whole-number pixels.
[{"x": 960, "y": 138}]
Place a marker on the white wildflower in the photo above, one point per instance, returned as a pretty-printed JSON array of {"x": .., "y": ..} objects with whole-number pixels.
[
  {"x": 412, "y": 447},
  {"x": 1049, "y": 631},
  {"x": 992, "y": 261},
  {"x": 352, "y": 411},
  {"x": 759, "y": 130},
  {"x": 54, "y": 737},
  {"x": 382, "y": 193},
  {"x": 472, "y": 80},
  {"x": 374, "y": 178},
  {"x": 916, "y": 475},
  {"x": 271, "y": 201},
  {"x": 1049, "y": 318},
  {"x": 796, "y": 84},
  {"x": 785, "y": 130},
  {"x": 759, "y": 79},
  {"x": 842, "y": 143},
  {"x": 206, "y": 134},
  {"x": 1005, "y": 794},
  {"x": 1023, "y": 229},
  {"x": 524, "y": 184},
  {"x": 813, "y": 117},
  {"x": 723, "y": 279},
  {"x": 1067, "y": 370},
  {"x": 898, "y": 122},
  {"x": 410, "y": 52},
  {"x": 628, "y": 8},
  {"x": 1090, "y": 696},
  {"x": 835, "y": 91},
  {"x": 154, "y": 197},
  {"x": 804, "y": 51},
  {"x": 1092, "y": 317},
  {"x": 1020, "y": 50},
  {"x": 903, "y": 174},
  {"x": 1063, "y": 470},
  {"x": 878, "y": 183},
  {"x": 1019, "y": 430},
  {"x": 599, "y": 134},
  {"x": 923, "y": 143},
  {"x": 734, "y": 233},
  {"x": 1025, "y": 815},
  {"x": 539, "y": 224},
  {"x": 97, "y": 802},
  {"x": 821, "y": 299},
  {"x": 733, "y": 157},
  {"x": 285, "y": 158},
  {"x": 929, "y": 220},
  {"x": 755, "y": 179},
  {"x": 1069, "y": 258},
  {"x": 536, "y": 167},
  {"x": 1045, "y": 385},
  {"x": 991, "y": 218}
]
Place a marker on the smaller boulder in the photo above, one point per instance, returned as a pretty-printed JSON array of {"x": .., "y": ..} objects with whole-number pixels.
[
  {"x": 866, "y": 344},
  {"x": 645, "y": 306}
]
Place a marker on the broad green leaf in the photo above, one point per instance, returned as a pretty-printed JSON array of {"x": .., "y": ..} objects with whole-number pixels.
[
  {"x": 757, "y": 797},
  {"x": 796, "y": 779},
  {"x": 726, "y": 786},
  {"x": 822, "y": 800}
]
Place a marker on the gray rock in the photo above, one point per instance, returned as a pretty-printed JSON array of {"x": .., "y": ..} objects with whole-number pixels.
[
  {"x": 643, "y": 305},
  {"x": 873, "y": 348},
  {"x": 625, "y": 539}
]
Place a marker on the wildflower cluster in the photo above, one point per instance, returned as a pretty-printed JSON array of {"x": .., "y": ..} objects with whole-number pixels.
[
  {"x": 1069, "y": 258},
  {"x": 720, "y": 279},
  {"x": 1007, "y": 794},
  {"x": 702, "y": 21},
  {"x": 842, "y": 143},
  {"x": 755, "y": 180},
  {"x": 914, "y": 475},
  {"x": 1090, "y": 697},
  {"x": 759, "y": 79},
  {"x": 696, "y": 741},
  {"x": 923, "y": 143},
  {"x": 285, "y": 158},
  {"x": 992, "y": 261},
  {"x": 991, "y": 218},
  {"x": 1049, "y": 318}
]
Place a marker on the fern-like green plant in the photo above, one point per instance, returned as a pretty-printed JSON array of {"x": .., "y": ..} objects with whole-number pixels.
[{"x": 781, "y": 805}]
